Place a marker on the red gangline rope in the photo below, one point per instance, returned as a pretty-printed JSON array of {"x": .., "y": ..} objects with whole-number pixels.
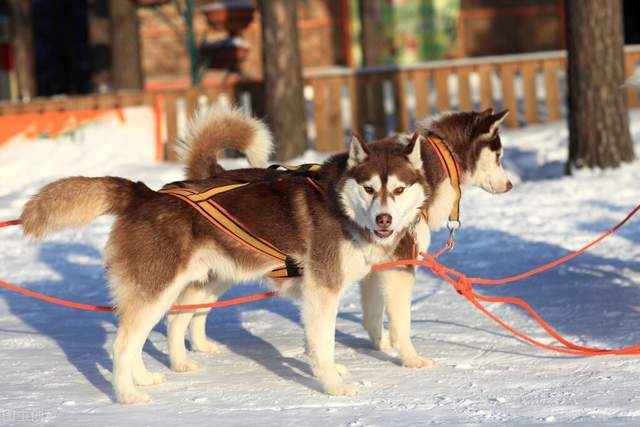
[{"x": 462, "y": 283}]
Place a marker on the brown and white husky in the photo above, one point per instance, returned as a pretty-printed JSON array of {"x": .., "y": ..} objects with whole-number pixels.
[
  {"x": 472, "y": 138},
  {"x": 161, "y": 250}
]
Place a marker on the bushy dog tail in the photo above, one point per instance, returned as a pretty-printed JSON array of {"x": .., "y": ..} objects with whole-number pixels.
[
  {"x": 215, "y": 128},
  {"x": 75, "y": 201}
]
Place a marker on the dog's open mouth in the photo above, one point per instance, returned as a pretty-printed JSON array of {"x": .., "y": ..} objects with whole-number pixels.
[{"x": 383, "y": 233}]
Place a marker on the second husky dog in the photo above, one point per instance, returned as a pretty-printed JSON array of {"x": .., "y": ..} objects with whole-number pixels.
[
  {"x": 471, "y": 137},
  {"x": 354, "y": 217}
]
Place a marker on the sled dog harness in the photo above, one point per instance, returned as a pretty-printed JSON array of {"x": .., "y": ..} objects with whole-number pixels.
[
  {"x": 452, "y": 170},
  {"x": 204, "y": 202}
]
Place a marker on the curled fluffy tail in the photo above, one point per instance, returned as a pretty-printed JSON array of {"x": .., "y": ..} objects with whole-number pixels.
[
  {"x": 76, "y": 201},
  {"x": 215, "y": 128}
]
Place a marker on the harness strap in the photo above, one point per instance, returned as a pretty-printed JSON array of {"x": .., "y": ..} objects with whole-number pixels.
[
  {"x": 219, "y": 217},
  {"x": 306, "y": 167},
  {"x": 452, "y": 170}
]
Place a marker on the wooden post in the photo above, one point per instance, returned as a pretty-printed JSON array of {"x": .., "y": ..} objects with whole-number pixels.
[
  {"x": 171, "y": 115},
  {"x": 632, "y": 91},
  {"x": 320, "y": 115},
  {"x": 354, "y": 96},
  {"x": 336, "y": 134},
  {"x": 507, "y": 77},
  {"x": 400, "y": 95},
  {"x": 442, "y": 90},
  {"x": 486, "y": 92},
  {"x": 464, "y": 90},
  {"x": 421, "y": 93},
  {"x": 528, "y": 73},
  {"x": 157, "y": 116},
  {"x": 552, "y": 98}
]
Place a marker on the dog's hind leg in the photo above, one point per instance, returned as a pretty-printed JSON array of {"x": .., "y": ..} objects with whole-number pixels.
[
  {"x": 177, "y": 323},
  {"x": 372, "y": 298},
  {"x": 319, "y": 311},
  {"x": 398, "y": 284},
  {"x": 199, "y": 340},
  {"x": 136, "y": 319}
]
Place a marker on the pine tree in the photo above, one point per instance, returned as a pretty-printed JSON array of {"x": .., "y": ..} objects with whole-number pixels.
[{"x": 598, "y": 116}]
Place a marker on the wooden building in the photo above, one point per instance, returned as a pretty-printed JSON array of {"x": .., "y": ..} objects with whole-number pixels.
[{"x": 65, "y": 46}]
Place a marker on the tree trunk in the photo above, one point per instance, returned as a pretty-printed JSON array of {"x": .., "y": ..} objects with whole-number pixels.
[
  {"x": 372, "y": 32},
  {"x": 284, "y": 99},
  {"x": 23, "y": 48},
  {"x": 369, "y": 95},
  {"x": 598, "y": 118},
  {"x": 126, "y": 67}
]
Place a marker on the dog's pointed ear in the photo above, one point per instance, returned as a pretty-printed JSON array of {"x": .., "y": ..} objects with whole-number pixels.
[
  {"x": 358, "y": 150},
  {"x": 413, "y": 150},
  {"x": 487, "y": 127},
  {"x": 489, "y": 111}
]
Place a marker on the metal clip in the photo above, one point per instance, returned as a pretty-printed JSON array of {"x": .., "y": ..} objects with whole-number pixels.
[{"x": 453, "y": 227}]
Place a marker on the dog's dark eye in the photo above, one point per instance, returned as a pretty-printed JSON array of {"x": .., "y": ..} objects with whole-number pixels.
[
  {"x": 398, "y": 191},
  {"x": 369, "y": 190}
]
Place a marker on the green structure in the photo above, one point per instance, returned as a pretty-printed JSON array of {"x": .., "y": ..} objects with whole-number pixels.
[{"x": 415, "y": 30}]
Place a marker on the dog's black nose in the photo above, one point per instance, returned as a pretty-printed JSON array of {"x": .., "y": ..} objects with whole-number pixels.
[{"x": 383, "y": 220}]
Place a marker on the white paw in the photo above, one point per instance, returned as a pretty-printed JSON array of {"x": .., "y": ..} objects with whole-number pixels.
[
  {"x": 134, "y": 397},
  {"x": 418, "y": 362},
  {"x": 342, "y": 370},
  {"x": 206, "y": 346},
  {"x": 185, "y": 365},
  {"x": 383, "y": 344},
  {"x": 150, "y": 378},
  {"x": 342, "y": 389}
]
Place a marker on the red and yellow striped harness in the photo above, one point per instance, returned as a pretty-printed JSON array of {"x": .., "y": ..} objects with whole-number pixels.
[
  {"x": 452, "y": 170},
  {"x": 204, "y": 203}
]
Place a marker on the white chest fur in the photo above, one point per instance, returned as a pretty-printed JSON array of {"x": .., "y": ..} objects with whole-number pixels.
[{"x": 357, "y": 258}]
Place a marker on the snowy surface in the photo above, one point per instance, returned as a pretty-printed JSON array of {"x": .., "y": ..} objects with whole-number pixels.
[{"x": 56, "y": 362}]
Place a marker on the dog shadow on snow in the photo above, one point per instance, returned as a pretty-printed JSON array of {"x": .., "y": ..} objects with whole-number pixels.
[{"x": 77, "y": 274}]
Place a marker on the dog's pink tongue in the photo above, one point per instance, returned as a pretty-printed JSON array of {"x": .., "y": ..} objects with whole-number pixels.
[{"x": 383, "y": 233}]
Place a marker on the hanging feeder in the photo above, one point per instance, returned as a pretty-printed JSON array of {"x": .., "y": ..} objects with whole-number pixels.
[
  {"x": 227, "y": 53},
  {"x": 231, "y": 16}
]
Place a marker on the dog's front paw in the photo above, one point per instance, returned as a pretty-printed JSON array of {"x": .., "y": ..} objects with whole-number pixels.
[
  {"x": 206, "y": 346},
  {"x": 342, "y": 389},
  {"x": 185, "y": 365},
  {"x": 418, "y": 362},
  {"x": 133, "y": 398}
]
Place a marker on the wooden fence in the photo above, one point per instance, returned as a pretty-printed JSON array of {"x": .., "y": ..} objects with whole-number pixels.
[{"x": 375, "y": 101}]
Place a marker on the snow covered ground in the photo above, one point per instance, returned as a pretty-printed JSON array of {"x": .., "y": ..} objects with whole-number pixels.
[{"x": 55, "y": 363}]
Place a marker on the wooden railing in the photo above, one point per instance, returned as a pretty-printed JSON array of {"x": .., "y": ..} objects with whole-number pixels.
[{"x": 375, "y": 101}]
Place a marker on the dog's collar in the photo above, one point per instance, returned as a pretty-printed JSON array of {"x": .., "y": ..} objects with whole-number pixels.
[{"x": 451, "y": 168}]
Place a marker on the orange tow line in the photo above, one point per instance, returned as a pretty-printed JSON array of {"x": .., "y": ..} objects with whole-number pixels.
[{"x": 463, "y": 284}]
